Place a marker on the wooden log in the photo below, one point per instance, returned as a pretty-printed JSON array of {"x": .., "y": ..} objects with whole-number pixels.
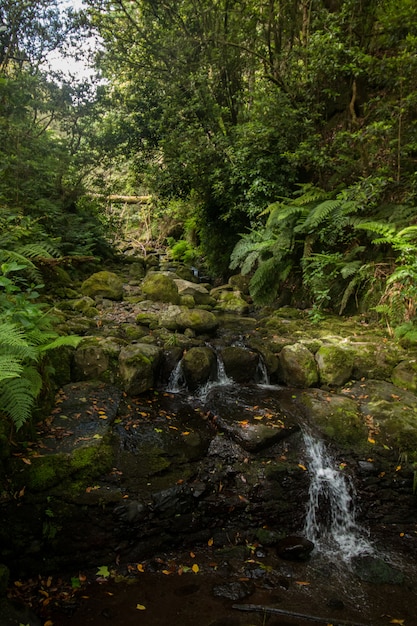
[{"x": 261, "y": 608}]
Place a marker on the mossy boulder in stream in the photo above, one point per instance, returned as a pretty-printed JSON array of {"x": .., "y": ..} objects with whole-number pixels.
[
  {"x": 298, "y": 366},
  {"x": 240, "y": 364},
  {"x": 96, "y": 358},
  {"x": 335, "y": 364},
  {"x": 104, "y": 284},
  {"x": 198, "y": 366},
  {"x": 159, "y": 287},
  {"x": 138, "y": 364},
  {"x": 336, "y": 417},
  {"x": 405, "y": 375}
]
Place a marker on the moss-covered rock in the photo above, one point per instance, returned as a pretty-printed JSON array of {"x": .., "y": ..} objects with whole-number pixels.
[
  {"x": 103, "y": 284},
  {"x": 159, "y": 287},
  {"x": 298, "y": 366},
  {"x": 335, "y": 364},
  {"x": 138, "y": 365},
  {"x": 97, "y": 358},
  {"x": 199, "y": 293},
  {"x": 240, "y": 364},
  {"x": 231, "y": 301},
  {"x": 405, "y": 375},
  {"x": 391, "y": 414},
  {"x": 198, "y": 366},
  {"x": 198, "y": 320},
  {"x": 337, "y": 418}
]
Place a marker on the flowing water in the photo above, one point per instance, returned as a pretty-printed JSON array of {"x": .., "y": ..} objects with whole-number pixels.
[{"x": 331, "y": 517}]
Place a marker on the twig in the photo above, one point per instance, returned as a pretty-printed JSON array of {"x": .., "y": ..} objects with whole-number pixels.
[{"x": 260, "y": 608}]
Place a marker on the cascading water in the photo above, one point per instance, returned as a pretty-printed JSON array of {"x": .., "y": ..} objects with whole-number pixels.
[
  {"x": 176, "y": 381},
  {"x": 330, "y": 521}
]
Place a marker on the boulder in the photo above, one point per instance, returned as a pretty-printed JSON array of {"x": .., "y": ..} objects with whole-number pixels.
[
  {"x": 198, "y": 366},
  {"x": 160, "y": 287},
  {"x": 94, "y": 358},
  {"x": 294, "y": 548},
  {"x": 336, "y": 417},
  {"x": 391, "y": 414},
  {"x": 335, "y": 365},
  {"x": 103, "y": 284},
  {"x": 405, "y": 375},
  {"x": 240, "y": 364},
  {"x": 181, "y": 317},
  {"x": 138, "y": 364},
  {"x": 298, "y": 366},
  {"x": 199, "y": 293},
  {"x": 231, "y": 301}
]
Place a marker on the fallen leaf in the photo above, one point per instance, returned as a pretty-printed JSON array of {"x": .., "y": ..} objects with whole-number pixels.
[
  {"x": 27, "y": 461},
  {"x": 210, "y": 541},
  {"x": 195, "y": 568},
  {"x": 371, "y": 440},
  {"x": 48, "y": 623},
  {"x": 140, "y": 567},
  {"x": 303, "y": 467},
  {"x": 141, "y": 607},
  {"x": 103, "y": 571},
  {"x": 397, "y": 621},
  {"x": 166, "y": 572},
  {"x": 192, "y": 555},
  {"x": 302, "y": 583}
]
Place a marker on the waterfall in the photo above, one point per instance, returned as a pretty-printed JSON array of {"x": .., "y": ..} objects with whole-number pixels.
[
  {"x": 330, "y": 521},
  {"x": 262, "y": 372},
  {"x": 221, "y": 379},
  {"x": 176, "y": 381}
]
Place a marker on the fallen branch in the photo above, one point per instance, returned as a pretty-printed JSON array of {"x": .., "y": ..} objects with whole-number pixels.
[{"x": 260, "y": 608}]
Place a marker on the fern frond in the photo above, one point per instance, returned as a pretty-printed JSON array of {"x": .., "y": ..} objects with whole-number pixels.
[
  {"x": 71, "y": 341},
  {"x": 10, "y": 367},
  {"x": 13, "y": 342},
  {"x": 33, "y": 250},
  {"x": 17, "y": 397},
  {"x": 350, "y": 268},
  {"x": 34, "y": 378},
  {"x": 386, "y": 231},
  {"x": 318, "y": 215},
  {"x": 267, "y": 278},
  {"x": 282, "y": 212}
]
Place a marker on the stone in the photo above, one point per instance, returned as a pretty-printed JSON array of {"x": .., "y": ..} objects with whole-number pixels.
[
  {"x": 198, "y": 320},
  {"x": 198, "y": 366},
  {"x": 337, "y": 417},
  {"x": 236, "y": 590},
  {"x": 159, "y": 287},
  {"x": 240, "y": 363},
  {"x": 299, "y": 368},
  {"x": 294, "y": 548},
  {"x": 231, "y": 301},
  {"x": 93, "y": 359},
  {"x": 374, "y": 570},
  {"x": 405, "y": 375},
  {"x": 335, "y": 364},
  {"x": 138, "y": 364},
  {"x": 199, "y": 293},
  {"x": 103, "y": 284}
]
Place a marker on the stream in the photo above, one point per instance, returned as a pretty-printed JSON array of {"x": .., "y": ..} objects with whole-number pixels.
[{"x": 226, "y": 580}]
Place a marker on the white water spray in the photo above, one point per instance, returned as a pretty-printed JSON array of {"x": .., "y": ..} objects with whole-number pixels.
[
  {"x": 176, "y": 381},
  {"x": 330, "y": 522}
]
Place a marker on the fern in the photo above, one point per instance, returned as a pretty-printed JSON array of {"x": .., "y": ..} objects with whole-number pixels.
[{"x": 17, "y": 397}]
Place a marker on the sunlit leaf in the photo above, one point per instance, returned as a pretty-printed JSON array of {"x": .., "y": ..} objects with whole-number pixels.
[{"x": 103, "y": 571}]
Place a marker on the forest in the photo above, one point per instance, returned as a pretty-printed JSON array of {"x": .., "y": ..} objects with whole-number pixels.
[{"x": 276, "y": 138}]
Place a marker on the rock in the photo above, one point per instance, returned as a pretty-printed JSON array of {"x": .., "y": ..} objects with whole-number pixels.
[
  {"x": 138, "y": 364},
  {"x": 405, "y": 375},
  {"x": 335, "y": 365},
  {"x": 231, "y": 301},
  {"x": 198, "y": 320},
  {"x": 159, "y": 287},
  {"x": 374, "y": 570},
  {"x": 294, "y": 548},
  {"x": 236, "y": 590},
  {"x": 240, "y": 283},
  {"x": 94, "y": 357},
  {"x": 337, "y": 418},
  {"x": 104, "y": 284},
  {"x": 198, "y": 366},
  {"x": 240, "y": 364},
  {"x": 298, "y": 366},
  {"x": 374, "y": 359},
  {"x": 198, "y": 292},
  {"x": 391, "y": 412}
]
